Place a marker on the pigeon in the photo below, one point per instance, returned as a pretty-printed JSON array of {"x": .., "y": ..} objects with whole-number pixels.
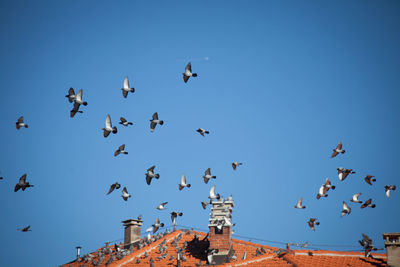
[
  {"x": 235, "y": 165},
  {"x": 175, "y": 214},
  {"x": 155, "y": 121},
  {"x": 369, "y": 179},
  {"x": 388, "y": 188},
  {"x": 150, "y": 175},
  {"x": 78, "y": 98},
  {"x": 213, "y": 195},
  {"x": 338, "y": 150},
  {"x": 207, "y": 175},
  {"x": 355, "y": 198},
  {"x": 346, "y": 209},
  {"x": 299, "y": 204},
  {"x": 126, "y": 89},
  {"x": 71, "y": 95},
  {"x": 188, "y": 73},
  {"x": 162, "y": 206},
  {"x": 120, "y": 150},
  {"x": 22, "y": 183},
  {"x": 342, "y": 173},
  {"x": 368, "y": 204},
  {"x": 25, "y": 229},
  {"x": 312, "y": 222},
  {"x": 125, "y": 195},
  {"x": 183, "y": 183},
  {"x": 366, "y": 243},
  {"x": 115, "y": 185},
  {"x": 157, "y": 225},
  {"x": 20, "y": 123},
  {"x": 202, "y": 131},
  {"x": 124, "y": 122},
  {"x": 108, "y": 129},
  {"x": 204, "y": 204},
  {"x": 325, "y": 188},
  {"x": 75, "y": 110}
]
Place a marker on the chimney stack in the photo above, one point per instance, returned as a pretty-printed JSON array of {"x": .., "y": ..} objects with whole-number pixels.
[
  {"x": 220, "y": 236},
  {"x": 78, "y": 252},
  {"x": 132, "y": 232},
  {"x": 392, "y": 245}
]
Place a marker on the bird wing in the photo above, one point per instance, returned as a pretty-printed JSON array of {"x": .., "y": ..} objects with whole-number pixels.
[
  {"x": 108, "y": 121},
  {"x": 183, "y": 179},
  {"x": 188, "y": 67},
  {"x": 22, "y": 180},
  {"x": 339, "y": 146},
  {"x": 368, "y": 180},
  {"x": 345, "y": 206},
  {"x": 112, "y": 187},
  {"x": 327, "y": 181},
  {"x": 122, "y": 147},
  {"x": 234, "y": 166},
  {"x": 21, "y": 119},
  {"x": 125, "y": 93},
  {"x": 387, "y": 191},
  {"x": 125, "y": 190},
  {"x": 126, "y": 82},
  {"x": 185, "y": 78},
  {"x": 206, "y": 179},
  {"x": 208, "y": 171},
  {"x": 148, "y": 179},
  {"x": 79, "y": 95},
  {"x": 212, "y": 191},
  {"x": 334, "y": 154},
  {"x": 123, "y": 119},
  {"x": 151, "y": 169},
  {"x": 117, "y": 152},
  {"x": 152, "y": 126},
  {"x": 355, "y": 196},
  {"x": 106, "y": 133},
  {"x": 155, "y": 116},
  {"x": 71, "y": 91},
  {"x": 299, "y": 202}
]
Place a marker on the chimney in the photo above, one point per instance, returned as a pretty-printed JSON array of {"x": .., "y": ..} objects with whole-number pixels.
[
  {"x": 392, "y": 245},
  {"x": 78, "y": 253},
  {"x": 132, "y": 232},
  {"x": 220, "y": 236}
]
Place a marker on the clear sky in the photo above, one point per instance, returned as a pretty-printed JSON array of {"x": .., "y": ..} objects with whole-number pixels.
[{"x": 284, "y": 82}]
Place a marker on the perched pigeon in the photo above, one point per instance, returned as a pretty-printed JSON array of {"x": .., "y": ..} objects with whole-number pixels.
[
  {"x": 342, "y": 173},
  {"x": 157, "y": 225},
  {"x": 175, "y": 214},
  {"x": 366, "y": 243},
  {"x": 299, "y": 204},
  {"x": 204, "y": 204},
  {"x": 150, "y": 175},
  {"x": 325, "y": 188},
  {"x": 126, "y": 89},
  {"x": 20, "y": 123},
  {"x": 235, "y": 165},
  {"x": 71, "y": 95},
  {"x": 355, "y": 198},
  {"x": 202, "y": 131},
  {"x": 188, "y": 73},
  {"x": 213, "y": 195},
  {"x": 125, "y": 195},
  {"x": 388, "y": 188},
  {"x": 312, "y": 222},
  {"x": 183, "y": 183},
  {"x": 120, "y": 150},
  {"x": 155, "y": 121},
  {"x": 338, "y": 150},
  {"x": 22, "y": 183},
  {"x": 368, "y": 204},
  {"x": 207, "y": 175},
  {"x": 124, "y": 122},
  {"x": 346, "y": 209},
  {"x": 162, "y": 206},
  {"x": 369, "y": 179},
  {"x": 115, "y": 185},
  {"x": 25, "y": 229},
  {"x": 108, "y": 129}
]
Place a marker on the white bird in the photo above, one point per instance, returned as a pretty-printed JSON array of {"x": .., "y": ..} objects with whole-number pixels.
[
  {"x": 162, "y": 206},
  {"x": 355, "y": 198},
  {"x": 188, "y": 73},
  {"x": 150, "y": 229},
  {"x": 183, "y": 183},
  {"x": 227, "y": 221},
  {"x": 388, "y": 188},
  {"x": 213, "y": 195},
  {"x": 108, "y": 129},
  {"x": 125, "y": 195},
  {"x": 346, "y": 209},
  {"x": 299, "y": 204},
  {"x": 126, "y": 89},
  {"x": 78, "y": 98}
]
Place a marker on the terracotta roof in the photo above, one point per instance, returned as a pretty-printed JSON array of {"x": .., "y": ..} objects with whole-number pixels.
[{"x": 195, "y": 255}]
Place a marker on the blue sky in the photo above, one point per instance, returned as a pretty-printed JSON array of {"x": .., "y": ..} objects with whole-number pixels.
[{"x": 284, "y": 82}]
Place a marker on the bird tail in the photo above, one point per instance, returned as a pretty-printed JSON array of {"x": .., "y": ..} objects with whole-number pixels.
[
  {"x": 115, "y": 130},
  {"x": 333, "y": 187},
  {"x": 125, "y": 152},
  {"x": 214, "y": 177},
  {"x": 132, "y": 90},
  {"x": 157, "y": 176},
  {"x": 120, "y": 123},
  {"x": 26, "y": 126},
  {"x": 394, "y": 187},
  {"x": 373, "y": 180},
  {"x": 317, "y": 223},
  {"x": 161, "y": 122},
  {"x": 207, "y": 132},
  {"x": 188, "y": 185},
  {"x": 373, "y": 206},
  {"x": 218, "y": 196},
  {"x": 130, "y": 123},
  {"x": 162, "y": 224},
  {"x": 344, "y": 151},
  {"x": 194, "y": 74},
  {"x": 84, "y": 103},
  {"x": 180, "y": 213}
]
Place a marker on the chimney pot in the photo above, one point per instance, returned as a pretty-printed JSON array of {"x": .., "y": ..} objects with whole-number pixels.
[
  {"x": 78, "y": 252},
  {"x": 132, "y": 232}
]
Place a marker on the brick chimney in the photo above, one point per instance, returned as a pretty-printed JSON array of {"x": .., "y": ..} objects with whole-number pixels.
[
  {"x": 132, "y": 232},
  {"x": 220, "y": 236},
  {"x": 392, "y": 245}
]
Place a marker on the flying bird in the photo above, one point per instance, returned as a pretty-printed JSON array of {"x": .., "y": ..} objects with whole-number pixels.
[
  {"x": 175, "y": 214},
  {"x": 213, "y": 195},
  {"x": 207, "y": 175},
  {"x": 125, "y": 195},
  {"x": 183, "y": 183},
  {"x": 342, "y": 173},
  {"x": 312, "y": 222},
  {"x": 346, "y": 209},
  {"x": 78, "y": 98},
  {"x": 20, "y": 123},
  {"x": 325, "y": 188},
  {"x": 388, "y": 188},
  {"x": 338, "y": 150},
  {"x": 162, "y": 206},
  {"x": 108, "y": 129},
  {"x": 22, "y": 184},
  {"x": 126, "y": 89},
  {"x": 25, "y": 229},
  {"x": 124, "y": 122},
  {"x": 75, "y": 110},
  {"x": 368, "y": 204},
  {"x": 299, "y": 204},
  {"x": 202, "y": 131},
  {"x": 355, "y": 198},
  {"x": 71, "y": 95},
  {"x": 115, "y": 185},
  {"x": 366, "y": 243},
  {"x": 188, "y": 73},
  {"x": 157, "y": 225},
  {"x": 155, "y": 121},
  {"x": 121, "y": 149},
  {"x": 369, "y": 179},
  {"x": 150, "y": 175},
  {"x": 235, "y": 165},
  {"x": 204, "y": 204}
]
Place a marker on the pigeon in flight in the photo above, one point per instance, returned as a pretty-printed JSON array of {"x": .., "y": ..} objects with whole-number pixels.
[
  {"x": 346, "y": 209},
  {"x": 175, "y": 214},
  {"x": 342, "y": 173},
  {"x": 355, "y": 198},
  {"x": 22, "y": 183},
  {"x": 120, "y": 150},
  {"x": 183, "y": 183},
  {"x": 188, "y": 73},
  {"x": 150, "y": 174},
  {"x": 20, "y": 123},
  {"x": 235, "y": 165},
  {"x": 207, "y": 175},
  {"x": 25, "y": 229},
  {"x": 299, "y": 204},
  {"x": 202, "y": 131},
  {"x": 155, "y": 121},
  {"x": 368, "y": 204},
  {"x": 71, "y": 95},
  {"x": 388, "y": 188},
  {"x": 115, "y": 185},
  {"x": 204, "y": 204},
  {"x": 213, "y": 195},
  {"x": 78, "y": 98},
  {"x": 75, "y": 110},
  {"x": 162, "y": 206},
  {"x": 366, "y": 243},
  {"x": 338, "y": 150},
  {"x": 124, "y": 122},
  {"x": 325, "y": 188},
  {"x": 125, "y": 195},
  {"x": 126, "y": 89},
  {"x": 369, "y": 179},
  {"x": 157, "y": 225},
  {"x": 312, "y": 222},
  {"x": 108, "y": 129}
]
